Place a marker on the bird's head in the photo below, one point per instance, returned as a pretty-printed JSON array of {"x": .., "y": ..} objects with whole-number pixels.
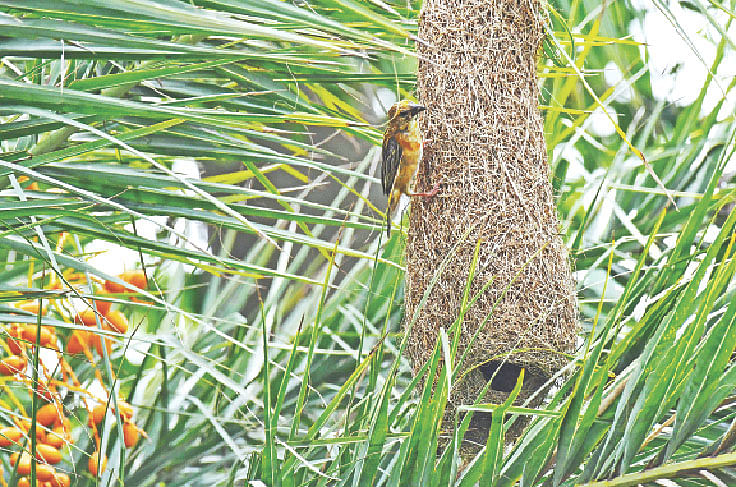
[{"x": 403, "y": 111}]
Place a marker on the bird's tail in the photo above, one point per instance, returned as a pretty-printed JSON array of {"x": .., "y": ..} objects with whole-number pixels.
[{"x": 393, "y": 200}]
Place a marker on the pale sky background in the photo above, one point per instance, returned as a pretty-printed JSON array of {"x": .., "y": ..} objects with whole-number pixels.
[{"x": 667, "y": 48}]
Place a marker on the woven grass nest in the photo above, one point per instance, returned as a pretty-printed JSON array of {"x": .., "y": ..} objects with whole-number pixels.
[{"x": 478, "y": 78}]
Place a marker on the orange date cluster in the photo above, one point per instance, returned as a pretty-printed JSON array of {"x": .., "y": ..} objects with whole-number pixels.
[{"x": 57, "y": 389}]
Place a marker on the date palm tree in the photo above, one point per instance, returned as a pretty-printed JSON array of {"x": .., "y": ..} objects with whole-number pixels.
[{"x": 230, "y": 149}]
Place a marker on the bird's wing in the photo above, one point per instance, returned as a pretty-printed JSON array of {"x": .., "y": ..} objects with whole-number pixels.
[{"x": 390, "y": 158}]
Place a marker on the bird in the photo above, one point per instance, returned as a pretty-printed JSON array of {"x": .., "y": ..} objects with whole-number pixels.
[{"x": 403, "y": 146}]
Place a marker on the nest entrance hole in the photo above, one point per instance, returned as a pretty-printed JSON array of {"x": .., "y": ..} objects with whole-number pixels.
[{"x": 503, "y": 375}]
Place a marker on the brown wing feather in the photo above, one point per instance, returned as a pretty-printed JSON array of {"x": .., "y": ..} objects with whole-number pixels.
[{"x": 390, "y": 159}]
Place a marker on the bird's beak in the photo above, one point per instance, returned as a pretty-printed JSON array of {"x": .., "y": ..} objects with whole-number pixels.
[{"x": 415, "y": 108}]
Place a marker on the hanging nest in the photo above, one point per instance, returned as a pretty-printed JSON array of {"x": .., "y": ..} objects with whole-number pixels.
[{"x": 478, "y": 78}]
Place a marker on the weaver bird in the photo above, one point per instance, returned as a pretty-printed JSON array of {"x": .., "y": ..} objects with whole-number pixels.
[{"x": 402, "y": 150}]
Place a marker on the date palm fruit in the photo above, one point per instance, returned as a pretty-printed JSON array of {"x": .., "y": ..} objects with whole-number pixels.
[
  {"x": 117, "y": 321},
  {"x": 28, "y": 333},
  {"x": 77, "y": 342},
  {"x": 9, "y": 436},
  {"x": 130, "y": 434},
  {"x": 96, "y": 341},
  {"x": 92, "y": 463},
  {"x": 60, "y": 435},
  {"x": 60, "y": 480},
  {"x": 12, "y": 365},
  {"x": 98, "y": 413},
  {"x": 48, "y": 454},
  {"x": 135, "y": 278},
  {"x": 45, "y": 472},
  {"x": 54, "y": 439},
  {"x": 16, "y": 347},
  {"x": 24, "y": 463},
  {"x": 87, "y": 318},
  {"x": 48, "y": 414},
  {"x": 103, "y": 307}
]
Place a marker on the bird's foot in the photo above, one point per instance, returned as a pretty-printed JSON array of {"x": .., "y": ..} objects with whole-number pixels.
[{"x": 429, "y": 194}]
